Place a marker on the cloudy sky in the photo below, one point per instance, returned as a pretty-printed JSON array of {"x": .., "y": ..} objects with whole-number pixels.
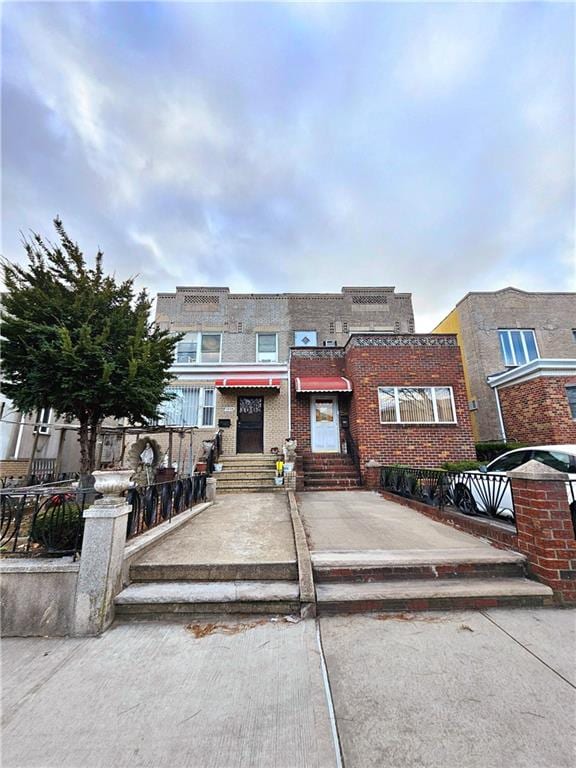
[{"x": 282, "y": 147}]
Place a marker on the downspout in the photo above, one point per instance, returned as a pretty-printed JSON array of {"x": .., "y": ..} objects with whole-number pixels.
[
  {"x": 500, "y": 417},
  {"x": 289, "y": 395},
  {"x": 19, "y": 438}
]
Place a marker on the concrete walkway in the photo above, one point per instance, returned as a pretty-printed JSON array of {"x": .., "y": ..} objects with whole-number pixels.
[
  {"x": 239, "y": 531},
  {"x": 354, "y": 521},
  {"x": 435, "y": 690}
]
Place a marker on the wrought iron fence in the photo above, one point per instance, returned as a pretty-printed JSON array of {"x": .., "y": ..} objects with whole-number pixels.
[
  {"x": 353, "y": 451},
  {"x": 43, "y": 522},
  {"x": 155, "y": 504},
  {"x": 37, "y": 478},
  {"x": 214, "y": 452},
  {"x": 473, "y": 493},
  {"x": 572, "y": 501}
]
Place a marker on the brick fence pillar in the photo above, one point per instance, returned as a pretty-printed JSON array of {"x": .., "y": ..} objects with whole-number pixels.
[
  {"x": 371, "y": 478},
  {"x": 545, "y": 528}
]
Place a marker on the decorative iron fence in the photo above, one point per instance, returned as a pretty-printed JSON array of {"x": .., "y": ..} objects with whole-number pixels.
[
  {"x": 214, "y": 452},
  {"x": 42, "y": 522},
  {"x": 353, "y": 451},
  {"x": 37, "y": 478},
  {"x": 155, "y": 504},
  {"x": 473, "y": 493}
]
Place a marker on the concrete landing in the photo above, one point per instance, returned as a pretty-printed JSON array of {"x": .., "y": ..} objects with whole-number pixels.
[
  {"x": 248, "y": 693},
  {"x": 242, "y": 536},
  {"x": 358, "y": 520}
]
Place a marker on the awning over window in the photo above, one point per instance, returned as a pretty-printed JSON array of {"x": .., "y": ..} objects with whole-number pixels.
[
  {"x": 323, "y": 384},
  {"x": 259, "y": 383}
]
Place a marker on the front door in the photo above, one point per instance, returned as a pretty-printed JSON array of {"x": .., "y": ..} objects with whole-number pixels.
[
  {"x": 325, "y": 425},
  {"x": 250, "y": 425}
]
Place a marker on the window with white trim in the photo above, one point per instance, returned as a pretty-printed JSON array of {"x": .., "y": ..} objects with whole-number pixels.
[
  {"x": 43, "y": 421},
  {"x": 267, "y": 347},
  {"x": 518, "y": 346},
  {"x": 191, "y": 407},
  {"x": 199, "y": 348},
  {"x": 571, "y": 395},
  {"x": 416, "y": 405}
]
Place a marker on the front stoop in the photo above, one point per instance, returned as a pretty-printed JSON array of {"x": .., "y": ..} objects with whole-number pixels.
[
  {"x": 247, "y": 473},
  {"x": 420, "y": 580},
  {"x": 329, "y": 472}
]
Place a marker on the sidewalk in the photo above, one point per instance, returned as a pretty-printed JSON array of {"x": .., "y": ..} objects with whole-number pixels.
[{"x": 430, "y": 690}]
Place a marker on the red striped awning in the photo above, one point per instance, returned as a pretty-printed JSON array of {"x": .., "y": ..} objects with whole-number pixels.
[
  {"x": 323, "y": 384},
  {"x": 259, "y": 383}
]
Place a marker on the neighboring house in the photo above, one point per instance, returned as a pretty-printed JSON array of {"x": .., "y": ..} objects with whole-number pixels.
[
  {"x": 394, "y": 399},
  {"x": 519, "y": 355},
  {"x": 231, "y": 367}
]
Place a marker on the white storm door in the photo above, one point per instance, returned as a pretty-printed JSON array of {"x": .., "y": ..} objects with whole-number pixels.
[{"x": 325, "y": 425}]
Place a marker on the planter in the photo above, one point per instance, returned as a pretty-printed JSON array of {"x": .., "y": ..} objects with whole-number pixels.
[
  {"x": 289, "y": 466},
  {"x": 218, "y": 467},
  {"x": 112, "y": 482},
  {"x": 200, "y": 466},
  {"x": 278, "y": 481}
]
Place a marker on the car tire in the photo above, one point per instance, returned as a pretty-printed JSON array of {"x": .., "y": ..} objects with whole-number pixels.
[{"x": 464, "y": 500}]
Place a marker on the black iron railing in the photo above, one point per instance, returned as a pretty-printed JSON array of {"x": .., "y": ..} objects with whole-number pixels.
[
  {"x": 42, "y": 522},
  {"x": 157, "y": 503},
  {"x": 572, "y": 502},
  {"x": 37, "y": 478},
  {"x": 353, "y": 452},
  {"x": 473, "y": 493},
  {"x": 214, "y": 452}
]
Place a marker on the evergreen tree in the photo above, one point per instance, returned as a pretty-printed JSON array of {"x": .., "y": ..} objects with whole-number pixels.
[{"x": 79, "y": 342}]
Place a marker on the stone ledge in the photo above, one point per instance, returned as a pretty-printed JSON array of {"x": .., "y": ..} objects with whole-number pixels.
[
  {"x": 29, "y": 565},
  {"x": 535, "y": 470}
]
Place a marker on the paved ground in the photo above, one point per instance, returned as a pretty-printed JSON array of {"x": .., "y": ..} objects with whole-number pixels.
[
  {"x": 437, "y": 690},
  {"x": 357, "y": 520},
  {"x": 239, "y": 528}
]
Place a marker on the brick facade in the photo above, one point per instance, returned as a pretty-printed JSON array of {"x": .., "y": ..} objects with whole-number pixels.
[
  {"x": 374, "y": 361},
  {"x": 537, "y": 411}
]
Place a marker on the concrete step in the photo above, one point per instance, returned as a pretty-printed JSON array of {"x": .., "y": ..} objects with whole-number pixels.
[
  {"x": 260, "y": 474},
  {"x": 332, "y": 487},
  {"x": 245, "y": 482},
  {"x": 441, "y": 594},
  {"x": 249, "y": 458},
  {"x": 267, "y": 571},
  {"x": 239, "y": 488},
  {"x": 165, "y": 600},
  {"x": 400, "y": 565}
]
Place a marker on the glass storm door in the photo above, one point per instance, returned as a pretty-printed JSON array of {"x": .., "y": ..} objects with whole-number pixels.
[
  {"x": 325, "y": 425},
  {"x": 250, "y": 425}
]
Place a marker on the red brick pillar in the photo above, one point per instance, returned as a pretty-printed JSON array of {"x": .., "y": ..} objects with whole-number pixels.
[
  {"x": 545, "y": 528},
  {"x": 372, "y": 476}
]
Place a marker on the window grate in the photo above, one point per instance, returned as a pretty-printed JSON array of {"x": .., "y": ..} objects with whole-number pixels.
[
  {"x": 374, "y": 299},
  {"x": 193, "y": 299}
]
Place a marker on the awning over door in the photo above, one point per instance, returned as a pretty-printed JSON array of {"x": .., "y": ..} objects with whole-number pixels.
[
  {"x": 323, "y": 384},
  {"x": 259, "y": 383}
]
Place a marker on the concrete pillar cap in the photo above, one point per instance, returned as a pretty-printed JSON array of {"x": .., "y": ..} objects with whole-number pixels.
[{"x": 535, "y": 470}]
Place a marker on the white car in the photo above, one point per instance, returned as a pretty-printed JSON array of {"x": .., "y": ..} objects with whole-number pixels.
[{"x": 487, "y": 490}]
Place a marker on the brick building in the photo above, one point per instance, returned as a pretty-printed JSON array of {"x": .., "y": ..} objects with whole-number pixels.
[
  {"x": 231, "y": 367},
  {"x": 393, "y": 398},
  {"x": 507, "y": 330},
  {"x": 538, "y": 402}
]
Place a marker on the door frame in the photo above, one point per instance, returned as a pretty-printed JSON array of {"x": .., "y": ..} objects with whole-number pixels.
[
  {"x": 334, "y": 399},
  {"x": 251, "y": 397}
]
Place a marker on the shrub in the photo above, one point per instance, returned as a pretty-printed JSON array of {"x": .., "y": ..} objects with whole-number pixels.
[
  {"x": 57, "y": 526},
  {"x": 461, "y": 466},
  {"x": 487, "y": 451}
]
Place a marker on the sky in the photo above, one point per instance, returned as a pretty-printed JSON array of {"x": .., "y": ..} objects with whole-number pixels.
[{"x": 275, "y": 147}]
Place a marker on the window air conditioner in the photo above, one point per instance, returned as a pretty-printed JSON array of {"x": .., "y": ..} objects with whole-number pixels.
[{"x": 330, "y": 343}]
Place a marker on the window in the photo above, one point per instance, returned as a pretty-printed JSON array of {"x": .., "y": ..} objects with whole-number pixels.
[
  {"x": 518, "y": 346},
  {"x": 267, "y": 347},
  {"x": 305, "y": 338},
  {"x": 571, "y": 395},
  {"x": 43, "y": 420},
  {"x": 209, "y": 344},
  {"x": 509, "y": 461},
  {"x": 192, "y": 407},
  {"x": 555, "y": 459},
  {"x": 416, "y": 405}
]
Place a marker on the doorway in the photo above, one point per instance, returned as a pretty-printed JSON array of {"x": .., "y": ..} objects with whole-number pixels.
[
  {"x": 250, "y": 425},
  {"x": 324, "y": 425}
]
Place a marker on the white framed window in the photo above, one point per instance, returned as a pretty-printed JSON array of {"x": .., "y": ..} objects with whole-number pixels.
[
  {"x": 518, "y": 346},
  {"x": 199, "y": 348},
  {"x": 192, "y": 407},
  {"x": 267, "y": 347},
  {"x": 571, "y": 395},
  {"x": 305, "y": 338},
  {"x": 43, "y": 421},
  {"x": 416, "y": 405}
]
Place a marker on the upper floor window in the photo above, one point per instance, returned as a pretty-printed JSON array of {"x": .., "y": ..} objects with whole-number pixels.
[
  {"x": 199, "y": 348},
  {"x": 42, "y": 424},
  {"x": 416, "y": 405},
  {"x": 191, "y": 407},
  {"x": 518, "y": 346},
  {"x": 267, "y": 347},
  {"x": 305, "y": 338}
]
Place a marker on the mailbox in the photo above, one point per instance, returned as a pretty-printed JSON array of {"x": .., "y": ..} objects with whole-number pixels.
[
  {"x": 224, "y": 423},
  {"x": 344, "y": 421}
]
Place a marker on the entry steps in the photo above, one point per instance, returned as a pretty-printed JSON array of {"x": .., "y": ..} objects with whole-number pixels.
[
  {"x": 247, "y": 473},
  {"x": 329, "y": 472},
  {"x": 176, "y": 590},
  {"x": 417, "y": 580}
]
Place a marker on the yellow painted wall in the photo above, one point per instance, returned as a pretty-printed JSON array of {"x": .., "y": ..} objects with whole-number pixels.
[{"x": 451, "y": 324}]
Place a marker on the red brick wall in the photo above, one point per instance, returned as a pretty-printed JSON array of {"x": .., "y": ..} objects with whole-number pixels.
[
  {"x": 368, "y": 368},
  {"x": 418, "y": 445},
  {"x": 537, "y": 411}
]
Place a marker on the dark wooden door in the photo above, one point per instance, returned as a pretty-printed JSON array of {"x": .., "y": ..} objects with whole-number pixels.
[{"x": 250, "y": 426}]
